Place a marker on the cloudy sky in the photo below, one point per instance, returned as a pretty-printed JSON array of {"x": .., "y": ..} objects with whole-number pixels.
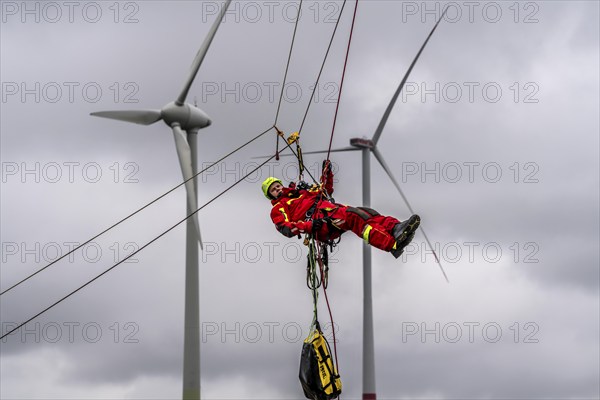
[{"x": 494, "y": 141}]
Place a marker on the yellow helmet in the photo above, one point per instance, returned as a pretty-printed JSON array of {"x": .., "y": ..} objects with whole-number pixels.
[{"x": 267, "y": 184}]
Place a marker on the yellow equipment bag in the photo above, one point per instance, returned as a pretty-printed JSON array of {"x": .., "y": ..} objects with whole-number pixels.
[{"x": 318, "y": 374}]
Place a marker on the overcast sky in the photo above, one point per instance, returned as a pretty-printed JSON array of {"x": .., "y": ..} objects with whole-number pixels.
[{"x": 495, "y": 143}]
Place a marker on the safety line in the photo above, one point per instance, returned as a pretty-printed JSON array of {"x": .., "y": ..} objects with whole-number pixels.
[
  {"x": 318, "y": 247},
  {"x": 316, "y": 83},
  {"x": 135, "y": 252},
  {"x": 329, "y": 309},
  {"x": 314, "y": 88},
  {"x": 134, "y": 213},
  {"x": 288, "y": 63},
  {"x": 337, "y": 105},
  {"x": 322, "y": 66}
]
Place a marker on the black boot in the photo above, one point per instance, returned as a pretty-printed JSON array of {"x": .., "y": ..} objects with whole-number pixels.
[{"x": 402, "y": 230}]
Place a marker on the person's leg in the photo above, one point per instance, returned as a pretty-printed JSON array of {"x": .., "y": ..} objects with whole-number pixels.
[
  {"x": 384, "y": 232},
  {"x": 373, "y": 228}
]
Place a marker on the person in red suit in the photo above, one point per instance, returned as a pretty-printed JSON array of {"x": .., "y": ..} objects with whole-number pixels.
[{"x": 308, "y": 209}]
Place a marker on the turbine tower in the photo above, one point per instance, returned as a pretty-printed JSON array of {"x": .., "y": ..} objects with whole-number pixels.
[
  {"x": 185, "y": 120},
  {"x": 367, "y": 146}
]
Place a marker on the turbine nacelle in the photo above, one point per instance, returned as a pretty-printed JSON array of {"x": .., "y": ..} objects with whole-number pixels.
[
  {"x": 188, "y": 117},
  {"x": 362, "y": 143}
]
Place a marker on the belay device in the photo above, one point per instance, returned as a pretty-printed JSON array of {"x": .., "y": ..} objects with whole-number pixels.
[{"x": 318, "y": 373}]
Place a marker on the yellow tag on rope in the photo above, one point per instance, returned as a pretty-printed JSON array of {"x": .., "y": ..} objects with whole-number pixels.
[{"x": 293, "y": 137}]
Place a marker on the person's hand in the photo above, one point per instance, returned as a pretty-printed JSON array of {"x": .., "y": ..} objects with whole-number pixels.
[{"x": 304, "y": 226}]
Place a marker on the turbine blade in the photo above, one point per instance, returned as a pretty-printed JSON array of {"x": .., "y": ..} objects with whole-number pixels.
[
  {"x": 390, "y": 106},
  {"x": 200, "y": 55},
  {"x": 142, "y": 117},
  {"x": 349, "y": 148},
  {"x": 185, "y": 161},
  {"x": 281, "y": 154},
  {"x": 379, "y": 158}
]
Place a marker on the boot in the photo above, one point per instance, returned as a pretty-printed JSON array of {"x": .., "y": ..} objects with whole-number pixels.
[{"x": 402, "y": 230}]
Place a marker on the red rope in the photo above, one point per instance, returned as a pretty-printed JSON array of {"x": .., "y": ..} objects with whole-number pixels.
[
  {"x": 328, "y": 153},
  {"x": 342, "y": 81}
]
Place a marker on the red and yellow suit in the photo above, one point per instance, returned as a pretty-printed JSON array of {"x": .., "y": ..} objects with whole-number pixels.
[{"x": 289, "y": 214}]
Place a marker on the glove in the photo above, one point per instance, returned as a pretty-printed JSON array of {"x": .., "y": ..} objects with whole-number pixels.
[
  {"x": 326, "y": 167},
  {"x": 304, "y": 226}
]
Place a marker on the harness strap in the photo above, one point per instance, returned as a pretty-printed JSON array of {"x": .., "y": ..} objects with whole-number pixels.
[{"x": 313, "y": 207}]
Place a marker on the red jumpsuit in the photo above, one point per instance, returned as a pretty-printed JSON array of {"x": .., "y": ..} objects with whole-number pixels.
[{"x": 289, "y": 214}]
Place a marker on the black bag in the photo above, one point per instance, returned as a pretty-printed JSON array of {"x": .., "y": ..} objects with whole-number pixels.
[{"x": 318, "y": 374}]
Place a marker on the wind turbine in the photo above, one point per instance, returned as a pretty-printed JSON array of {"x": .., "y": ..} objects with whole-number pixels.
[
  {"x": 182, "y": 116},
  {"x": 367, "y": 146}
]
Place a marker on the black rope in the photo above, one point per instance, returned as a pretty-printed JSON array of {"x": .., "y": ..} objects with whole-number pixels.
[
  {"x": 322, "y": 66},
  {"x": 288, "y": 63},
  {"x": 312, "y": 93},
  {"x": 181, "y": 184},
  {"x": 135, "y": 252},
  {"x": 337, "y": 105},
  {"x": 132, "y": 214}
]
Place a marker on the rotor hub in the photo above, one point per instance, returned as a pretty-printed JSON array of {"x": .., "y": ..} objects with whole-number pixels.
[{"x": 187, "y": 116}]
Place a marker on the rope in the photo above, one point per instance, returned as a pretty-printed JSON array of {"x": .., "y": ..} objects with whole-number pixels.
[
  {"x": 321, "y": 268},
  {"x": 288, "y": 63},
  {"x": 132, "y": 214},
  {"x": 298, "y": 155},
  {"x": 342, "y": 81},
  {"x": 322, "y": 66},
  {"x": 323, "y": 273},
  {"x": 170, "y": 191},
  {"x": 314, "y": 281},
  {"x": 134, "y": 253},
  {"x": 314, "y": 277}
]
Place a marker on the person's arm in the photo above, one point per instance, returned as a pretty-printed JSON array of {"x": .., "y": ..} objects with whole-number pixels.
[
  {"x": 285, "y": 226},
  {"x": 327, "y": 177}
]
